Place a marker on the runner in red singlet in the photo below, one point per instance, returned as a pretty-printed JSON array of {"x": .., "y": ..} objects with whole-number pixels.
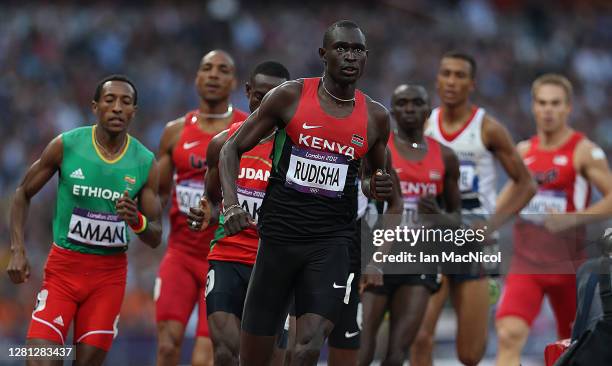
[
  {"x": 232, "y": 258},
  {"x": 428, "y": 173},
  {"x": 547, "y": 248},
  {"x": 182, "y": 163}
]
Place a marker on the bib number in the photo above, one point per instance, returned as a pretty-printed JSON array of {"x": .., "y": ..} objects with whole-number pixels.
[
  {"x": 250, "y": 200},
  {"x": 468, "y": 179},
  {"x": 411, "y": 215},
  {"x": 188, "y": 194},
  {"x": 544, "y": 203},
  {"x": 319, "y": 172},
  {"x": 97, "y": 228}
]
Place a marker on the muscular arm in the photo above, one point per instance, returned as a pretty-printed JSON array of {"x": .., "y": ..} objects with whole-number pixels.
[
  {"x": 451, "y": 194},
  {"x": 35, "y": 178},
  {"x": 150, "y": 206},
  {"x": 378, "y": 136},
  {"x": 593, "y": 165},
  {"x": 521, "y": 186},
  {"x": 169, "y": 138},
  {"x": 213, "y": 184},
  {"x": 276, "y": 109}
]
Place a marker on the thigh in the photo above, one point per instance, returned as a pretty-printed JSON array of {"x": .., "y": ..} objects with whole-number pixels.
[
  {"x": 471, "y": 302},
  {"x": 323, "y": 285},
  {"x": 562, "y": 296},
  {"x": 521, "y": 297},
  {"x": 176, "y": 290},
  {"x": 55, "y": 308},
  {"x": 346, "y": 332},
  {"x": 97, "y": 318},
  {"x": 226, "y": 287},
  {"x": 271, "y": 283},
  {"x": 199, "y": 270}
]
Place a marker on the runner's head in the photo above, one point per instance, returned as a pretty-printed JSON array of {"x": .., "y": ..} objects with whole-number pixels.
[
  {"x": 456, "y": 78},
  {"x": 551, "y": 96},
  {"x": 114, "y": 103},
  {"x": 266, "y": 76},
  {"x": 344, "y": 52},
  {"x": 216, "y": 77},
  {"x": 410, "y": 107}
]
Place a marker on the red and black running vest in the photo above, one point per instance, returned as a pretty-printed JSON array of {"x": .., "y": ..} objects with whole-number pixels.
[{"x": 312, "y": 191}]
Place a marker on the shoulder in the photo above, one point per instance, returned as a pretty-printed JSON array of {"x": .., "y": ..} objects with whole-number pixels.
[
  {"x": 287, "y": 91},
  {"x": 140, "y": 150},
  {"x": 376, "y": 110},
  {"x": 588, "y": 152},
  {"x": 492, "y": 125},
  {"x": 523, "y": 146},
  {"x": 77, "y": 134},
  {"x": 171, "y": 134}
]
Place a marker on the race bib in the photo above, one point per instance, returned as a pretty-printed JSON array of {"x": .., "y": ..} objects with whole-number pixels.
[
  {"x": 250, "y": 200},
  {"x": 319, "y": 172},
  {"x": 97, "y": 228},
  {"x": 410, "y": 210},
  {"x": 468, "y": 179},
  {"x": 188, "y": 194},
  {"x": 544, "y": 203}
]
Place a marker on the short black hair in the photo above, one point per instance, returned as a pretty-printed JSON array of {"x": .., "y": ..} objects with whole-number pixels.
[
  {"x": 465, "y": 57},
  {"x": 114, "y": 77},
  {"x": 339, "y": 24},
  {"x": 271, "y": 68}
]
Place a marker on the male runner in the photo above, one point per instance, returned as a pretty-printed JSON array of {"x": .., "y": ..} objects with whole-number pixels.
[
  {"x": 231, "y": 258},
  {"x": 564, "y": 163},
  {"x": 428, "y": 173},
  {"x": 182, "y": 162},
  {"x": 478, "y": 140},
  {"x": 107, "y": 181},
  {"x": 325, "y": 127}
]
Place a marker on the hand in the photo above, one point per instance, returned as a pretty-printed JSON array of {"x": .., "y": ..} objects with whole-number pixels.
[
  {"x": 483, "y": 226},
  {"x": 18, "y": 268},
  {"x": 557, "y": 223},
  {"x": 199, "y": 217},
  {"x": 381, "y": 185},
  {"x": 127, "y": 209},
  {"x": 237, "y": 220},
  {"x": 372, "y": 277},
  {"x": 428, "y": 205}
]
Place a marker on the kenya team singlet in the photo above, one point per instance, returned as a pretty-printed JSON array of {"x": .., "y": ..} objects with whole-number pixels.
[
  {"x": 189, "y": 158},
  {"x": 85, "y": 219},
  {"x": 561, "y": 189},
  {"x": 255, "y": 166},
  {"x": 312, "y": 191},
  {"x": 418, "y": 178},
  {"x": 477, "y": 181}
]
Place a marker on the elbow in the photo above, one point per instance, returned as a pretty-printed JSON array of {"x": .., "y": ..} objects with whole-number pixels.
[{"x": 530, "y": 186}]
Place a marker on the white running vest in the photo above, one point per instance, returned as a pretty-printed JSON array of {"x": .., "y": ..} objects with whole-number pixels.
[{"x": 478, "y": 180}]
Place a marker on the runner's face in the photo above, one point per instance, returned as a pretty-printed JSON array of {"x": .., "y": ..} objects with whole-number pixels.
[
  {"x": 259, "y": 86},
  {"x": 115, "y": 109},
  {"x": 410, "y": 108},
  {"x": 345, "y": 56},
  {"x": 550, "y": 107},
  {"x": 454, "y": 81},
  {"x": 215, "y": 79}
]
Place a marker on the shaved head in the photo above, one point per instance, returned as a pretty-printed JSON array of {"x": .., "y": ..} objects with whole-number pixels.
[
  {"x": 407, "y": 88},
  {"x": 219, "y": 53}
]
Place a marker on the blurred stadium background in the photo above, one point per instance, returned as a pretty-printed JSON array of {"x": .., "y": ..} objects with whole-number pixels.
[{"x": 52, "y": 53}]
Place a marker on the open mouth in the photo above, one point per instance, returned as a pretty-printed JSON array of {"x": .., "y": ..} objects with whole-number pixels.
[{"x": 349, "y": 70}]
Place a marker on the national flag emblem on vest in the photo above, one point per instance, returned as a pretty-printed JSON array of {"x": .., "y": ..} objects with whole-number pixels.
[
  {"x": 357, "y": 140},
  {"x": 130, "y": 180}
]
